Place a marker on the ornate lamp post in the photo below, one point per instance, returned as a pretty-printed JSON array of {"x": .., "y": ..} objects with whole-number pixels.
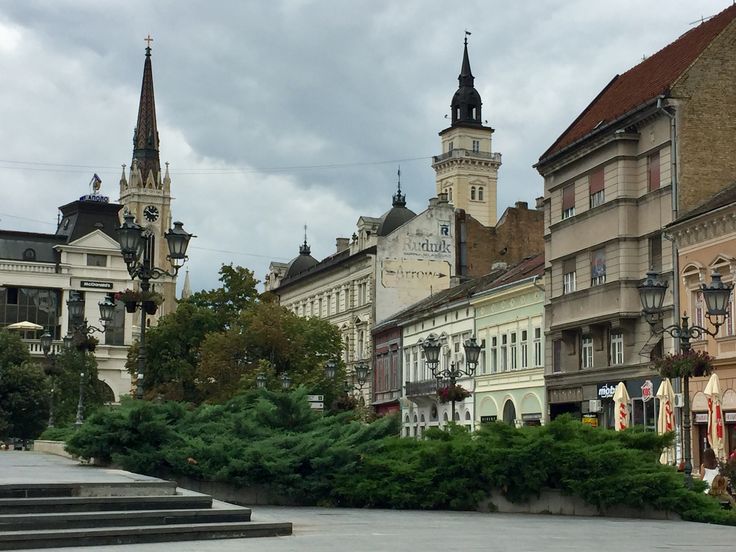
[
  {"x": 717, "y": 294},
  {"x": 285, "y": 381},
  {"x": 136, "y": 246},
  {"x": 261, "y": 381},
  {"x": 330, "y": 369},
  {"x": 80, "y": 334},
  {"x": 431, "y": 346},
  {"x": 51, "y": 368}
]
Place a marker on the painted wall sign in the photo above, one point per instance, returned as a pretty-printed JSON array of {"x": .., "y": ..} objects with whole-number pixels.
[
  {"x": 701, "y": 418},
  {"x": 590, "y": 419},
  {"x": 415, "y": 273},
  {"x": 423, "y": 246},
  {"x": 488, "y": 419},
  {"x": 95, "y": 285},
  {"x": 729, "y": 417}
]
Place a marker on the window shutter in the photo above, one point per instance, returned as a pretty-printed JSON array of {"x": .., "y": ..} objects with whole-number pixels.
[
  {"x": 595, "y": 181},
  {"x": 653, "y": 172},
  {"x": 568, "y": 198}
]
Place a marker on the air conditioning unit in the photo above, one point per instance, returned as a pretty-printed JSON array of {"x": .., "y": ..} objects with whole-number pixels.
[
  {"x": 679, "y": 400},
  {"x": 594, "y": 405}
]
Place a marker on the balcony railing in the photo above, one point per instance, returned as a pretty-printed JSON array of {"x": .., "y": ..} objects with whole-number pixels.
[
  {"x": 467, "y": 153},
  {"x": 417, "y": 388}
]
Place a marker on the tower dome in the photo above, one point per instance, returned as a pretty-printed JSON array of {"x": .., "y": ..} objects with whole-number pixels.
[
  {"x": 397, "y": 215},
  {"x": 303, "y": 262}
]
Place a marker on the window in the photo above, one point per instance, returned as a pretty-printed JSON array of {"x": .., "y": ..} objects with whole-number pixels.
[
  {"x": 655, "y": 253},
  {"x": 596, "y": 188},
  {"x": 96, "y": 260},
  {"x": 617, "y": 348},
  {"x": 360, "y": 345},
  {"x": 449, "y": 195},
  {"x": 415, "y": 364},
  {"x": 319, "y": 307},
  {"x": 557, "y": 356},
  {"x": 653, "y": 172},
  {"x": 476, "y": 146},
  {"x": 524, "y": 349},
  {"x": 311, "y": 308},
  {"x": 504, "y": 359},
  {"x": 494, "y": 354},
  {"x": 29, "y": 254},
  {"x": 537, "y": 346},
  {"x": 513, "y": 351},
  {"x": 699, "y": 307},
  {"x": 568, "y": 202},
  {"x": 598, "y": 267},
  {"x": 568, "y": 276},
  {"x": 472, "y": 192},
  {"x": 587, "y": 352},
  {"x": 449, "y": 146},
  {"x": 480, "y": 193}
]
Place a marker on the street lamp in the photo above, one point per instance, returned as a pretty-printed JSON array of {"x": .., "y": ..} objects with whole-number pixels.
[
  {"x": 80, "y": 332},
  {"x": 46, "y": 343},
  {"x": 136, "y": 247},
  {"x": 261, "y": 381},
  {"x": 717, "y": 294},
  {"x": 285, "y": 381},
  {"x": 330, "y": 369},
  {"x": 431, "y": 346}
]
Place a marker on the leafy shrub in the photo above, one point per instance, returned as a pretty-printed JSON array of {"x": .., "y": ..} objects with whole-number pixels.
[{"x": 57, "y": 433}]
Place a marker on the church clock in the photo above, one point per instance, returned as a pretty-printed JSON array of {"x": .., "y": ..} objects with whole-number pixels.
[{"x": 151, "y": 213}]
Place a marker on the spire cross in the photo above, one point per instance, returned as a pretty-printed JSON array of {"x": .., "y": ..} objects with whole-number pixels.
[{"x": 148, "y": 40}]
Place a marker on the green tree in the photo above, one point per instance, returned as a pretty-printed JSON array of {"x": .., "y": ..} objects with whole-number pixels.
[
  {"x": 24, "y": 400},
  {"x": 12, "y": 349},
  {"x": 271, "y": 339},
  {"x": 236, "y": 294},
  {"x": 69, "y": 365}
]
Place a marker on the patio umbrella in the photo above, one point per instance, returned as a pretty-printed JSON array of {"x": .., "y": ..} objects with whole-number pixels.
[
  {"x": 666, "y": 419},
  {"x": 621, "y": 406},
  {"x": 715, "y": 416},
  {"x": 24, "y": 326}
]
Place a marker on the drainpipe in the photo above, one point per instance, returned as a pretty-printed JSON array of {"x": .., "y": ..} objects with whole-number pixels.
[{"x": 675, "y": 257}]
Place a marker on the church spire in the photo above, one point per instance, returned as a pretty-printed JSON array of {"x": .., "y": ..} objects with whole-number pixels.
[
  {"x": 399, "y": 198},
  {"x": 466, "y": 102},
  {"x": 145, "y": 137}
]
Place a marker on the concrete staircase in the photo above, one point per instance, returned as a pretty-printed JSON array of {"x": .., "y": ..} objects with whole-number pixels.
[{"x": 51, "y": 515}]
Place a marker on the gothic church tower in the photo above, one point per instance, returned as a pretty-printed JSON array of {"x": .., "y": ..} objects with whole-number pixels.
[
  {"x": 146, "y": 193},
  {"x": 467, "y": 168}
]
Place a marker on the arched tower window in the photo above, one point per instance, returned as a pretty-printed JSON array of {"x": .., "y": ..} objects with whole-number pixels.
[
  {"x": 449, "y": 195},
  {"x": 480, "y": 193},
  {"x": 472, "y": 192}
]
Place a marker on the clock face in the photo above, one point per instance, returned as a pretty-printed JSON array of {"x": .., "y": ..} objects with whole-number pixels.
[{"x": 151, "y": 213}]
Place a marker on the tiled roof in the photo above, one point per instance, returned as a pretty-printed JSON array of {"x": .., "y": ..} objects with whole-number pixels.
[
  {"x": 652, "y": 77},
  {"x": 726, "y": 196}
]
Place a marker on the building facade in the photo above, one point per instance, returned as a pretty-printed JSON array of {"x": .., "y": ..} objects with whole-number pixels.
[
  {"x": 654, "y": 142},
  {"x": 509, "y": 321},
  {"x": 706, "y": 241}
]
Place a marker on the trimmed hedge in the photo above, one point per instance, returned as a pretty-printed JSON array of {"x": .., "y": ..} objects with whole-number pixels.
[{"x": 275, "y": 439}]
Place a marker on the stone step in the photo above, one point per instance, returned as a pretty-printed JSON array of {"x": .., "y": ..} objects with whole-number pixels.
[
  {"x": 78, "y": 520},
  {"x": 103, "y": 503},
  {"x": 19, "y": 540},
  {"x": 134, "y": 488}
]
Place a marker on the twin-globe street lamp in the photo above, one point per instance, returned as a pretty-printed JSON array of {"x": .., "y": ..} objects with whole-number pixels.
[
  {"x": 716, "y": 295},
  {"x": 432, "y": 345},
  {"x": 262, "y": 379},
  {"x": 136, "y": 245},
  {"x": 79, "y": 333}
]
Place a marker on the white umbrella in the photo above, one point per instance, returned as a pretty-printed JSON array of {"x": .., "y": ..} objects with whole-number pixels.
[
  {"x": 25, "y": 325},
  {"x": 715, "y": 417},
  {"x": 621, "y": 406},
  {"x": 666, "y": 419}
]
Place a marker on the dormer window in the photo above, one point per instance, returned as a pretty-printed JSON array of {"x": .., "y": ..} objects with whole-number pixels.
[{"x": 29, "y": 254}]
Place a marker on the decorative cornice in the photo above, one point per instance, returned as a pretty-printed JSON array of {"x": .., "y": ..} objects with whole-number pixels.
[{"x": 707, "y": 227}]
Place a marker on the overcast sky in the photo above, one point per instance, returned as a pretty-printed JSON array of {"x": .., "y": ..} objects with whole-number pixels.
[{"x": 276, "y": 114}]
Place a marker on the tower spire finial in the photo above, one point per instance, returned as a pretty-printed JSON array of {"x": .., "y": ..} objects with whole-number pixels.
[
  {"x": 466, "y": 102},
  {"x": 304, "y": 249},
  {"x": 145, "y": 137},
  {"x": 399, "y": 198}
]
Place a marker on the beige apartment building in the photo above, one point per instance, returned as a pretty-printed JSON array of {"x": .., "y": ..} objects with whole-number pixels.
[{"x": 655, "y": 141}]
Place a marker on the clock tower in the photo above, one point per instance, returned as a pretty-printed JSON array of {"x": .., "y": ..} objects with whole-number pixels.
[
  {"x": 467, "y": 168},
  {"x": 146, "y": 193}
]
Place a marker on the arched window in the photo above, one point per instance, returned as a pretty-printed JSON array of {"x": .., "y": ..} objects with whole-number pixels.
[
  {"x": 29, "y": 254},
  {"x": 449, "y": 195},
  {"x": 472, "y": 192},
  {"x": 480, "y": 193}
]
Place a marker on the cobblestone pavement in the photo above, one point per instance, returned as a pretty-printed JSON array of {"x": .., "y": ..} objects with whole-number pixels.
[{"x": 354, "y": 530}]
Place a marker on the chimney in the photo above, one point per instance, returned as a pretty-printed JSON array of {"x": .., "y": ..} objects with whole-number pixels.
[
  {"x": 342, "y": 244},
  {"x": 540, "y": 202},
  {"x": 521, "y": 205},
  {"x": 442, "y": 197}
]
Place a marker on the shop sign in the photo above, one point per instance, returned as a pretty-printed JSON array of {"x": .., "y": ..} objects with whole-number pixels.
[
  {"x": 531, "y": 417},
  {"x": 606, "y": 391},
  {"x": 729, "y": 417},
  {"x": 488, "y": 419},
  {"x": 701, "y": 417},
  {"x": 647, "y": 391},
  {"x": 590, "y": 419},
  {"x": 95, "y": 285}
]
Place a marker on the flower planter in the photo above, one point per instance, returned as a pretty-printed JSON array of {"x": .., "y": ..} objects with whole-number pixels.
[
  {"x": 150, "y": 307},
  {"x": 130, "y": 306}
]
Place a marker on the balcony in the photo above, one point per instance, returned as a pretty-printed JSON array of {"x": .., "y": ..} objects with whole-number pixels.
[
  {"x": 460, "y": 153},
  {"x": 421, "y": 388}
]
